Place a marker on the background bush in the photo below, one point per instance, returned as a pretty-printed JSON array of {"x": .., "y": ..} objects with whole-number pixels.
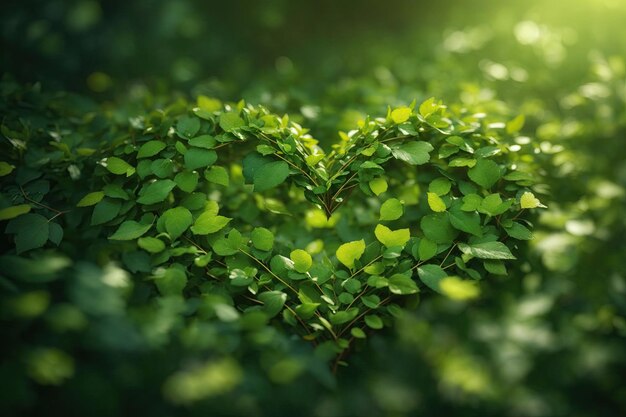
[{"x": 546, "y": 340}]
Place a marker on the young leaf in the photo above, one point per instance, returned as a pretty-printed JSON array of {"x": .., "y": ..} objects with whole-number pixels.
[
  {"x": 414, "y": 153},
  {"x": 350, "y": 252},
  {"x": 435, "y": 203},
  {"x": 391, "y": 238},
  {"x": 301, "y": 260},
  {"x": 262, "y": 239}
]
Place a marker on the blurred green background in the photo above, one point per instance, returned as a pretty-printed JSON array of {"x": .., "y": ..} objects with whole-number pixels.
[{"x": 548, "y": 340}]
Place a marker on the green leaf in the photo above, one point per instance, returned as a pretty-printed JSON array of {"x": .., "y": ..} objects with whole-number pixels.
[
  {"x": 90, "y": 199},
  {"x": 151, "y": 244},
  {"x": 31, "y": 231},
  {"x": 55, "y": 234},
  {"x": 150, "y": 148},
  {"x": 273, "y": 302},
  {"x": 342, "y": 317},
  {"x": 435, "y": 202},
  {"x": 217, "y": 175},
  {"x": 14, "y": 211},
  {"x": 518, "y": 231},
  {"x": 414, "y": 153},
  {"x": 270, "y": 175},
  {"x": 485, "y": 173},
  {"x": 155, "y": 192},
  {"x": 177, "y": 220},
  {"x": 231, "y": 121},
  {"x": 5, "y": 168},
  {"x": 199, "y": 158},
  {"x": 187, "y": 181},
  {"x": 495, "y": 267},
  {"x": 528, "y": 201},
  {"x": 426, "y": 249},
  {"x": 105, "y": 211},
  {"x": 204, "y": 141},
  {"x": 209, "y": 222},
  {"x": 459, "y": 289},
  {"x": 440, "y": 186},
  {"x": 357, "y": 333},
  {"x": 373, "y": 321},
  {"x": 118, "y": 166},
  {"x": 471, "y": 202},
  {"x": 515, "y": 125},
  {"x": 402, "y": 285},
  {"x": 350, "y": 252},
  {"x": 171, "y": 281},
  {"x": 431, "y": 275},
  {"x": 391, "y": 238},
  {"x": 466, "y": 222},
  {"x": 437, "y": 228},
  {"x": 391, "y": 209},
  {"x": 162, "y": 168},
  {"x": 378, "y": 185},
  {"x": 187, "y": 127},
  {"x": 130, "y": 229},
  {"x": 428, "y": 107},
  {"x": 487, "y": 250},
  {"x": 401, "y": 114},
  {"x": 262, "y": 239},
  {"x": 301, "y": 260}
]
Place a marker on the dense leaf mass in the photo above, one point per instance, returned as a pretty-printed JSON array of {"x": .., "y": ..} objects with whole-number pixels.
[{"x": 421, "y": 217}]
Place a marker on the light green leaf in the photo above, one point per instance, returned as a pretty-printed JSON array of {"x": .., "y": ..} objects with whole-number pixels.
[
  {"x": 90, "y": 199},
  {"x": 401, "y": 114},
  {"x": 262, "y": 238},
  {"x": 270, "y": 175},
  {"x": 378, "y": 185},
  {"x": 528, "y": 201},
  {"x": 391, "y": 209},
  {"x": 485, "y": 173},
  {"x": 208, "y": 223},
  {"x": 459, "y": 289},
  {"x": 150, "y": 148},
  {"x": 118, "y": 166},
  {"x": 402, "y": 285},
  {"x": 435, "y": 202},
  {"x": 428, "y": 107},
  {"x": 350, "y": 252},
  {"x": 487, "y": 250},
  {"x": 301, "y": 260},
  {"x": 391, "y": 238},
  {"x": 414, "y": 153},
  {"x": 14, "y": 211},
  {"x": 5, "y": 168},
  {"x": 515, "y": 125},
  {"x": 217, "y": 175},
  {"x": 440, "y": 186}
]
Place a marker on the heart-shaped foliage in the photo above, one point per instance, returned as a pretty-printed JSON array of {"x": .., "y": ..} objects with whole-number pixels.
[{"x": 242, "y": 212}]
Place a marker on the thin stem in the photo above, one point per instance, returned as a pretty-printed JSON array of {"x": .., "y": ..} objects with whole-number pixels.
[{"x": 270, "y": 271}]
